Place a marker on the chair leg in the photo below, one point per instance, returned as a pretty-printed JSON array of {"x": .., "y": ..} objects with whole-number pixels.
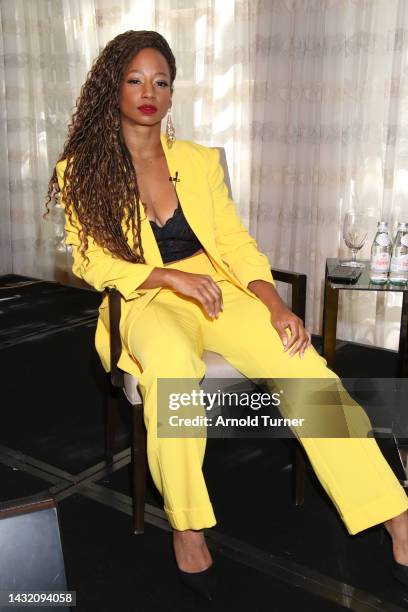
[
  {"x": 139, "y": 464},
  {"x": 111, "y": 418},
  {"x": 299, "y": 470}
]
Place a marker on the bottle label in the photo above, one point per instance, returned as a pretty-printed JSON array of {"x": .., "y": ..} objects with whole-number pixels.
[
  {"x": 399, "y": 263},
  {"x": 380, "y": 263},
  {"x": 404, "y": 239},
  {"x": 383, "y": 239}
]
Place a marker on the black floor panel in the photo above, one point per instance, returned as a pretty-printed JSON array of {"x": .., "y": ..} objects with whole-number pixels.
[
  {"x": 15, "y": 483},
  {"x": 111, "y": 569}
]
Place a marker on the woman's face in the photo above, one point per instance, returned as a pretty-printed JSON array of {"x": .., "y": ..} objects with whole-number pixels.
[{"x": 144, "y": 94}]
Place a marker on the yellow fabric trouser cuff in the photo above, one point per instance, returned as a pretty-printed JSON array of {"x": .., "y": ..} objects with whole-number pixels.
[
  {"x": 191, "y": 518},
  {"x": 375, "y": 513}
]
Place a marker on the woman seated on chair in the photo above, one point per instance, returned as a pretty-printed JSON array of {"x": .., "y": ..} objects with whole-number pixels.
[{"x": 151, "y": 216}]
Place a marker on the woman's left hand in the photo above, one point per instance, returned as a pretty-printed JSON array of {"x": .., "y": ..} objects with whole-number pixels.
[
  {"x": 299, "y": 339},
  {"x": 282, "y": 318}
]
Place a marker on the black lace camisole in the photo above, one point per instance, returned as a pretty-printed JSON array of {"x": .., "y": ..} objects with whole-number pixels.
[{"x": 176, "y": 240}]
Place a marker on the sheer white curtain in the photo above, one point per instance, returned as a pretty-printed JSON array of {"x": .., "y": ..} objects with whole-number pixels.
[
  {"x": 309, "y": 97},
  {"x": 47, "y": 47},
  {"x": 330, "y": 113},
  {"x": 42, "y": 71}
]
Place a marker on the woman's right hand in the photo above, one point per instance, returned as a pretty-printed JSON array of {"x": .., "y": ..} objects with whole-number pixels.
[{"x": 200, "y": 287}]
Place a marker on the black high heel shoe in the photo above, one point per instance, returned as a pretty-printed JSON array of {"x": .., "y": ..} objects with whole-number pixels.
[
  {"x": 400, "y": 573},
  {"x": 398, "y": 570},
  {"x": 203, "y": 583}
]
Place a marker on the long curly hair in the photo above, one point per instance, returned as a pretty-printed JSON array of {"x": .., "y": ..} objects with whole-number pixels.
[{"x": 100, "y": 182}]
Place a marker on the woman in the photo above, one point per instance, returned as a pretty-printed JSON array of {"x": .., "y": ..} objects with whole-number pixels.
[{"x": 151, "y": 216}]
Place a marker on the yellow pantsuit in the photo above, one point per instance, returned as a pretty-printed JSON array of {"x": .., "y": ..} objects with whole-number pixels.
[
  {"x": 164, "y": 335},
  {"x": 168, "y": 340}
]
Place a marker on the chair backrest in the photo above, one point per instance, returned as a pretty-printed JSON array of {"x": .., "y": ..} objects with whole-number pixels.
[
  {"x": 296, "y": 280},
  {"x": 223, "y": 162}
]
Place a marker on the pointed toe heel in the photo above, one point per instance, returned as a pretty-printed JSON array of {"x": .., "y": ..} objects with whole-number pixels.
[
  {"x": 203, "y": 583},
  {"x": 400, "y": 573}
]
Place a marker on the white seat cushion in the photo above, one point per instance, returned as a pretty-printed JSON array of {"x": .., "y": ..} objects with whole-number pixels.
[{"x": 216, "y": 367}]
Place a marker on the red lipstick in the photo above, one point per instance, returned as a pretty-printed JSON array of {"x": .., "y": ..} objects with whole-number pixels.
[{"x": 147, "y": 109}]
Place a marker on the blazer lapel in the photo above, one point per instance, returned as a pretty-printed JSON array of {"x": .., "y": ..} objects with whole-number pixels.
[
  {"x": 150, "y": 249},
  {"x": 194, "y": 204}
]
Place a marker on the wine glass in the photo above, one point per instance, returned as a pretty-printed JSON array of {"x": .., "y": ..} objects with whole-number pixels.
[{"x": 354, "y": 234}]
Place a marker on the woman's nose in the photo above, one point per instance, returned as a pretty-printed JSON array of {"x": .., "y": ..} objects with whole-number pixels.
[{"x": 148, "y": 90}]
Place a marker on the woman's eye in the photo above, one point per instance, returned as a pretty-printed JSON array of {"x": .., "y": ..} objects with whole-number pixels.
[{"x": 160, "y": 83}]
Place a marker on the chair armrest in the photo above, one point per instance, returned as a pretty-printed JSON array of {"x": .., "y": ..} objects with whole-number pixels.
[
  {"x": 116, "y": 374},
  {"x": 298, "y": 282}
]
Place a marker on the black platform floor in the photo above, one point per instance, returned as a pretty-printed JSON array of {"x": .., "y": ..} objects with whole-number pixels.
[{"x": 270, "y": 554}]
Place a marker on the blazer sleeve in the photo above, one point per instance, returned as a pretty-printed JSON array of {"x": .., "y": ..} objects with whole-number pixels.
[
  {"x": 103, "y": 270},
  {"x": 236, "y": 246}
]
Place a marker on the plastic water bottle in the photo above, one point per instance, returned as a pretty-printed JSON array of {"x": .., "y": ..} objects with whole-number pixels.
[
  {"x": 380, "y": 254},
  {"x": 399, "y": 259}
]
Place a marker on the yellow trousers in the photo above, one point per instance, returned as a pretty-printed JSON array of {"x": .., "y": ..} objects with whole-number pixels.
[{"x": 168, "y": 339}]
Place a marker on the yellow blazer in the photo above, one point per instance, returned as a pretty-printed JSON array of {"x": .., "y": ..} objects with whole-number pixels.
[{"x": 211, "y": 214}]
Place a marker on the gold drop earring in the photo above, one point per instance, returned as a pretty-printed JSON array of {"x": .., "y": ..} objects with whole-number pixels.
[{"x": 170, "y": 131}]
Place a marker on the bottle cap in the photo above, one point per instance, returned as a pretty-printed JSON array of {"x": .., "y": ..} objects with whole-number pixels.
[
  {"x": 402, "y": 227},
  {"x": 382, "y": 225}
]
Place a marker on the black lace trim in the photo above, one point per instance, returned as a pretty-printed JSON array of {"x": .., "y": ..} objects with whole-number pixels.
[{"x": 175, "y": 239}]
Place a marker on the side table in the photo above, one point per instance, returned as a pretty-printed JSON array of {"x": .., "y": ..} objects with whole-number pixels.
[{"x": 330, "y": 309}]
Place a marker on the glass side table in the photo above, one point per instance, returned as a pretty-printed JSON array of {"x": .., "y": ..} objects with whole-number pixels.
[{"x": 330, "y": 309}]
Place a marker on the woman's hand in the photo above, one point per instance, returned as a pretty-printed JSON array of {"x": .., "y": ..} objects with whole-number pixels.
[
  {"x": 282, "y": 319},
  {"x": 201, "y": 287}
]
